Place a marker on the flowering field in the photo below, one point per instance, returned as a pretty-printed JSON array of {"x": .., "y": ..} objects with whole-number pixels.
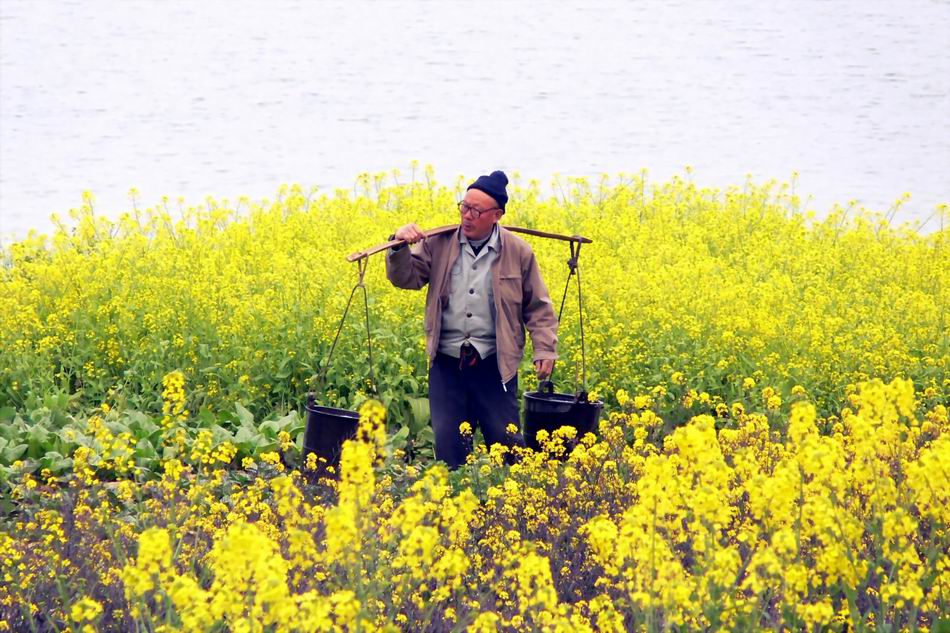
[{"x": 773, "y": 454}]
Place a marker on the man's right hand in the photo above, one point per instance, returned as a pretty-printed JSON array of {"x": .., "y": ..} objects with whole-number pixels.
[{"x": 410, "y": 233}]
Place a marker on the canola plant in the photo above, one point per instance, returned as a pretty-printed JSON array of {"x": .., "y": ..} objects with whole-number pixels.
[{"x": 773, "y": 454}]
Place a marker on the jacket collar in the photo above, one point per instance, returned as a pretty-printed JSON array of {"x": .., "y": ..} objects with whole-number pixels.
[
  {"x": 496, "y": 241},
  {"x": 494, "y": 238}
]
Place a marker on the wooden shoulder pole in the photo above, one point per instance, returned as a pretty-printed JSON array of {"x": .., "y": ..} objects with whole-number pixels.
[{"x": 452, "y": 227}]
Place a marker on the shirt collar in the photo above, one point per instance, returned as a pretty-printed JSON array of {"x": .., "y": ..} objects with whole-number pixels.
[{"x": 494, "y": 238}]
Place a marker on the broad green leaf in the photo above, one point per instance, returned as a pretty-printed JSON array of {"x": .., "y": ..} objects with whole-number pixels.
[
  {"x": 221, "y": 434},
  {"x": 243, "y": 436},
  {"x": 261, "y": 445},
  {"x": 48, "y": 458},
  {"x": 144, "y": 448},
  {"x": 245, "y": 416},
  {"x": 287, "y": 421},
  {"x": 38, "y": 435},
  {"x": 13, "y": 453},
  {"x": 419, "y": 407},
  {"x": 269, "y": 428},
  {"x": 400, "y": 437},
  {"x": 61, "y": 465},
  {"x": 425, "y": 435},
  {"x": 206, "y": 417}
]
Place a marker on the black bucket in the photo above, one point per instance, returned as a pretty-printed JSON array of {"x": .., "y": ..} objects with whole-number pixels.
[
  {"x": 327, "y": 429},
  {"x": 546, "y": 410}
]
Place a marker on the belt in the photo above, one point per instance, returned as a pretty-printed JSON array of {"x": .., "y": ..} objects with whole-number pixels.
[{"x": 469, "y": 356}]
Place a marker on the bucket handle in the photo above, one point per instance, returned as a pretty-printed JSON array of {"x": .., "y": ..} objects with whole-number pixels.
[
  {"x": 547, "y": 387},
  {"x": 361, "y": 266}
]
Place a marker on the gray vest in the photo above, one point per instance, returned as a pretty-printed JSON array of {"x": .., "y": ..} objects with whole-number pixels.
[{"x": 470, "y": 314}]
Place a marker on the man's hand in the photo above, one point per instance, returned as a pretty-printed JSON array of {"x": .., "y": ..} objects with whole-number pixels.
[
  {"x": 411, "y": 233},
  {"x": 544, "y": 368}
]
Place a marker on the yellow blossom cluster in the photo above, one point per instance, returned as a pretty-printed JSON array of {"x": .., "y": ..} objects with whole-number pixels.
[
  {"x": 173, "y": 398},
  {"x": 721, "y": 288},
  {"x": 772, "y": 455},
  {"x": 763, "y": 522}
]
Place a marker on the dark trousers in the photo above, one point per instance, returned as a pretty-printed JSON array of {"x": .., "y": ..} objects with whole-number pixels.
[{"x": 461, "y": 391}]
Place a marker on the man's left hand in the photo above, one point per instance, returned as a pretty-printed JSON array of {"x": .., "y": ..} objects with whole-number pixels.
[{"x": 544, "y": 368}]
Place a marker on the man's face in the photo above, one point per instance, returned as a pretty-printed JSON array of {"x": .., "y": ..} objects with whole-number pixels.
[{"x": 479, "y": 228}]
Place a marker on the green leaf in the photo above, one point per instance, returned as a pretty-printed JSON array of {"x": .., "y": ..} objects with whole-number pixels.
[
  {"x": 261, "y": 445},
  {"x": 270, "y": 428},
  {"x": 8, "y": 429},
  {"x": 141, "y": 425},
  {"x": 227, "y": 417},
  {"x": 118, "y": 427},
  {"x": 61, "y": 465},
  {"x": 220, "y": 434},
  {"x": 206, "y": 417},
  {"x": 49, "y": 458},
  {"x": 38, "y": 434},
  {"x": 144, "y": 448},
  {"x": 63, "y": 434},
  {"x": 245, "y": 416},
  {"x": 296, "y": 425},
  {"x": 243, "y": 436},
  {"x": 400, "y": 437},
  {"x": 38, "y": 440},
  {"x": 419, "y": 407},
  {"x": 12, "y": 453},
  {"x": 288, "y": 421},
  {"x": 426, "y": 436}
]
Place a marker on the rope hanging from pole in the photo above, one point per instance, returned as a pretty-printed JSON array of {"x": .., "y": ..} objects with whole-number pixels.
[
  {"x": 574, "y": 269},
  {"x": 362, "y": 265}
]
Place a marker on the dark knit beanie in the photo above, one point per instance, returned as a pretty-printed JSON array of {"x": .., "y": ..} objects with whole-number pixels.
[{"x": 493, "y": 185}]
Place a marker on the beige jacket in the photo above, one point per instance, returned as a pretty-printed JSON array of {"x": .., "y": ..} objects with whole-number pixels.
[{"x": 521, "y": 298}]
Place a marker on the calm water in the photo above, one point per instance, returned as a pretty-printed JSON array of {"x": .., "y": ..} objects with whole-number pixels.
[{"x": 227, "y": 98}]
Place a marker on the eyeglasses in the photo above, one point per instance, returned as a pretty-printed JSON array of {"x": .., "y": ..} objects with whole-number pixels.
[{"x": 476, "y": 213}]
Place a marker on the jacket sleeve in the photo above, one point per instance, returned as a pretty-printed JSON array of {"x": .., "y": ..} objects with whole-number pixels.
[
  {"x": 538, "y": 312},
  {"x": 409, "y": 267}
]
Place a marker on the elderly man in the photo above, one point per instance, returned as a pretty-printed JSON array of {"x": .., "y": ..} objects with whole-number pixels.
[{"x": 484, "y": 289}]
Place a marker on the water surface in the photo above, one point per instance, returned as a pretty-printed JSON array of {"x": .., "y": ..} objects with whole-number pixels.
[{"x": 228, "y": 98}]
